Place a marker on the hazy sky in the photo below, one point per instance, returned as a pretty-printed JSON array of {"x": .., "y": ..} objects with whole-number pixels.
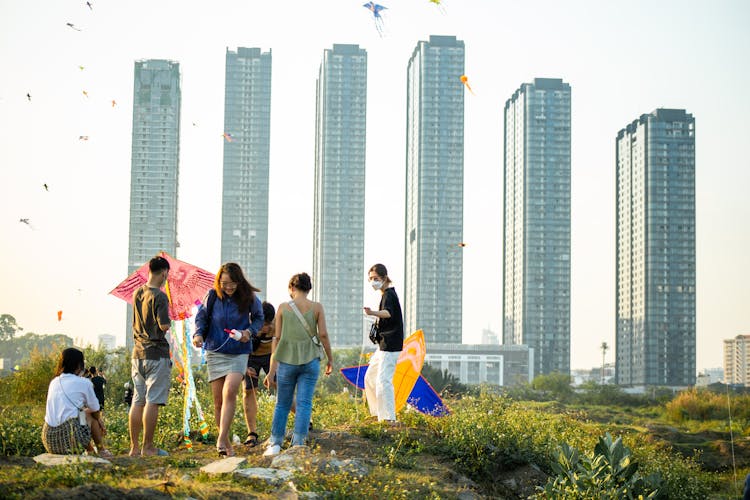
[{"x": 622, "y": 59}]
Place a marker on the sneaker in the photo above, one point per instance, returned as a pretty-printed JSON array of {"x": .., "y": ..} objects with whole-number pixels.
[{"x": 272, "y": 450}]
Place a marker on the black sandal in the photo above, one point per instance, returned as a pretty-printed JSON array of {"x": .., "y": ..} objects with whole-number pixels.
[
  {"x": 222, "y": 451},
  {"x": 251, "y": 440}
]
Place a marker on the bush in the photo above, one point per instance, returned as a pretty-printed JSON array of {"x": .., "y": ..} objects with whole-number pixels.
[
  {"x": 701, "y": 405},
  {"x": 610, "y": 473}
]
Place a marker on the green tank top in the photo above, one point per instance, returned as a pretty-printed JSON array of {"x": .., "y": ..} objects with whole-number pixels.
[{"x": 296, "y": 347}]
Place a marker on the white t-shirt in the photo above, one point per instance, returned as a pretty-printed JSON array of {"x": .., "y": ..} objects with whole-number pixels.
[{"x": 66, "y": 394}]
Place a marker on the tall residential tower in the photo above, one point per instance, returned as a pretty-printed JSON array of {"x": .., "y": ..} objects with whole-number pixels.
[
  {"x": 536, "y": 228},
  {"x": 339, "y": 213},
  {"x": 154, "y": 170},
  {"x": 433, "y": 267},
  {"x": 655, "y": 281},
  {"x": 247, "y": 129}
]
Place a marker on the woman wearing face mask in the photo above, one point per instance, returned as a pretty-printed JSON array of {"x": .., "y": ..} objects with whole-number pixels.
[{"x": 379, "y": 376}]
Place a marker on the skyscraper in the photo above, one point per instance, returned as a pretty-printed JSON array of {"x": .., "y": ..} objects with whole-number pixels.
[
  {"x": 154, "y": 170},
  {"x": 247, "y": 129},
  {"x": 339, "y": 213},
  {"x": 655, "y": 281},
  {"x": 433, "y": 268},
  {"x": 737, "y": 360},
  {"x": 536, "y": 227}
]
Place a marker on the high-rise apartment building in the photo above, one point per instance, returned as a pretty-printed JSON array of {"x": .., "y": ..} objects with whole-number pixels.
[
  {"x": 433, "y": 267},
  {"x": 339, "y": 213},
  {"x": 247, "y": 138},
  {"x": 536, "y": 226},
  {"x": 154, "y": 170},
  {"x": 737, "y": 360},
  {"x": 655, "y": 277}
]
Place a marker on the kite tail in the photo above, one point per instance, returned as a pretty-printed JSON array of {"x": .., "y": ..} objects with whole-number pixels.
[{"x": 190, "y": 387}]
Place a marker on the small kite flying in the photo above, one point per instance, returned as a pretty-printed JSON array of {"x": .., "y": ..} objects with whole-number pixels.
[
  {"x": 46, "y": 187},
  {"x": 91, "y": 7},
  {"x": 73, "y": 26},
  {"x": 83, "y": 138},
  {"x": 26, "y": 221},
  {"x": 227, "y": 136},
  {"x": 377, "y": 18},
  {"x": 465, "y": 80},
  {"x": 85, "y": 94},
  {"x": 28, "y": 96}
]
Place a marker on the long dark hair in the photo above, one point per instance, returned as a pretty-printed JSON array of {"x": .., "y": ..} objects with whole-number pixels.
[
  {"x": 245, "y": 292},
  {"x": 71, "y": 360}
]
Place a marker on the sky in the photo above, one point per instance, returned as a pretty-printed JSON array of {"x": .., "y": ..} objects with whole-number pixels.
[{"x": 622, "y": 59}]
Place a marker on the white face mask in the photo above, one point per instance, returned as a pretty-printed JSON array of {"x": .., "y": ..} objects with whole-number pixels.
[{"x": 376, "y": 284}]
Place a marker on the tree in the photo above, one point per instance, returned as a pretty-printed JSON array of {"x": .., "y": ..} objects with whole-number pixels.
[
  {"x": 556, "y": 384},
  {"x": 604, "y": 347},
  {"x": 8, "y": 327}
]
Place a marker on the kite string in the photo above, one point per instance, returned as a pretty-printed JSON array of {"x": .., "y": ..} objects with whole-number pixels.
[{"x": 731, "y": 440}]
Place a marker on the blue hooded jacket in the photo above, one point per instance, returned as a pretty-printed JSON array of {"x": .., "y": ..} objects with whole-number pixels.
[{"x": 226, "y": 314}]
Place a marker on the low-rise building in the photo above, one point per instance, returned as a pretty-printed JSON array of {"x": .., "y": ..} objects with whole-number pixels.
[{"x": 502, "y": 365}]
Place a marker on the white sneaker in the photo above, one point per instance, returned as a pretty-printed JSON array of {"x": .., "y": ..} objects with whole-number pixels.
[{"x": 272, "y": 451}]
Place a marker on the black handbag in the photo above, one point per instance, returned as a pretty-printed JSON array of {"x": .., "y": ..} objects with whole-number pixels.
[{"x": 375, "y": 334}]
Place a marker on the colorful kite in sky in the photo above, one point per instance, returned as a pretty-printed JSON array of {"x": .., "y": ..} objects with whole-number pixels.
[
  {"x": 227, "y": 136},
  {"x": 59, "y": 315},
  {"x": 85, "y": 94},
  {"x": 465, "y": 80},
  {"x": 377, "y": 18},
  {"x": 114, "y": 103},
  {"x": 73, "y": 26},
  {"x": 408, "y": 384}
]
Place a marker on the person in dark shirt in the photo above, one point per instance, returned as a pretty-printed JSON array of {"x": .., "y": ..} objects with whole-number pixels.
[
  {"x": 127, "y": 397},
  {"x": 379, "y": 377},
  {"x": 97, "y": 378}
]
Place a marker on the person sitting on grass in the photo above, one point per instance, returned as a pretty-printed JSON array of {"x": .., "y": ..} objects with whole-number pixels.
[{"x": 72, "y": 418}]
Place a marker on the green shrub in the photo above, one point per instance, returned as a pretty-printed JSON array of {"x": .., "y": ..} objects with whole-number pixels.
[
  {"x": 20, "y": 431},
  {"x": 702, "y": 404},
  {"x": 610, "y": 473}
]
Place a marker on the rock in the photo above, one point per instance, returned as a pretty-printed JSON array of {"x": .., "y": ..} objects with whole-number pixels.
[
  {"x": 224, "y": 466},
  {"x": 353, "y": 467},
  {"x": 468, "y": 495},
  {"x": 52, "y": 460},
  {"x": 270, "y": 476},
  {"x": 296, "y": 458}
]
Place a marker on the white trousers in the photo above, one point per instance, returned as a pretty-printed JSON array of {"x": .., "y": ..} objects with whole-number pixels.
[{"x": 381, "y": 398}]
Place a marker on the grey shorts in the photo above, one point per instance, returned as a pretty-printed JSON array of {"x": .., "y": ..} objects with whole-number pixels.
[
  {"x": 221, "y": 365},
  {"x": 151, "y": 380}
]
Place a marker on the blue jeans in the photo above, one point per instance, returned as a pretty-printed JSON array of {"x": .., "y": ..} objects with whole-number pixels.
[{"x": 303, "y": 377}]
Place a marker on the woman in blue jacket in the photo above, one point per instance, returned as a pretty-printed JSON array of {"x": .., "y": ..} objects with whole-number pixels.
[{"x": 230, "y": 305}]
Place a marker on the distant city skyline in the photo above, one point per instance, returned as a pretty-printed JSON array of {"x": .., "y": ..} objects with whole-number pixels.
[
  {"x": 155, "y": 166},
  {"x": 78, "y": 238},
  {"x": 247, "y": 139},
  {"x": 433, "y": 267},
  {"x": 536, "y": 222}
]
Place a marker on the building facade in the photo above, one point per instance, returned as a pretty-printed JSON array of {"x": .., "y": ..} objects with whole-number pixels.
[
  {"x": 737, "y": 361},
  {"x": 655, "y": 256},
  {"x": 339, "y": 210},
  {"x": 247, "y": 129},
  {"x": 433, "y": 267},
  {"x": 155, "y": 166},
  {"x": 503, "y": 365},
  {"x": 536, "y": 225}
]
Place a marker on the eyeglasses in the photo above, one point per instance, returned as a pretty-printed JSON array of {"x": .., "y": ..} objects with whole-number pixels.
[{"x": 228, "y": 284}]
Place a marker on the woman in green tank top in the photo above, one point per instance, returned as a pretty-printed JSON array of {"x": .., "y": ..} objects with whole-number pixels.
[{"x": 295, "y": 362}]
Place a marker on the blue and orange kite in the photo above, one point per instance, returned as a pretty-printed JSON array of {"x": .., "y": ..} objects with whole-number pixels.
[{"x": 408, "y": 383}]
